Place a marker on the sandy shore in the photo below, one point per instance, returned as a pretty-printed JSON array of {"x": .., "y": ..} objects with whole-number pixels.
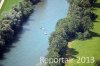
[{"x": 70, "y": 44}]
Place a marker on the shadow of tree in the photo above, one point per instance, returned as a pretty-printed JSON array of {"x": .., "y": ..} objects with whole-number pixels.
[
  {"x": 1, "y": 56},
  {"x": 97, "y": 63},
  {"x": 94, "y": 34},
  {"x": 95, "y": 21},
  {"x": 68, "y": 53},
  {"x": 7, "y": 47},
  {"x": 93, "y": 9},
  {"x": 97, "y": 5},
  {"x": 4, "y": 50},
  {"x": 71, "y": 53}
]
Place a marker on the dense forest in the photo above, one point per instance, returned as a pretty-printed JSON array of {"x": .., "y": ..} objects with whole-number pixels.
[
  {"x": 12, "y": 22},
  {"x": 77, "y": 25}
]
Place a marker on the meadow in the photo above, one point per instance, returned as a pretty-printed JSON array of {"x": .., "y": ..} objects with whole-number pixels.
[
  {"x": 89, "y": 48},
  {"x": 7, "y": 6}
]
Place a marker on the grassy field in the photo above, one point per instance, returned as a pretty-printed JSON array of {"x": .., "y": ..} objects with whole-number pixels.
[
  {"x": 7, "y": 6},
  {"x": 89, "y": 48}
]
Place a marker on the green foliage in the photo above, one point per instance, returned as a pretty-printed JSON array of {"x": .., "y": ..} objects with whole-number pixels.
[
  {"x": 57, "y": 42},
  {"x": 92, "y": 2},
  {"x": 13, "y": 20},
  {"x": 81, "y": 18},
  {"x": 76, "y": 25},
  {"x": 83, "y": 36}
]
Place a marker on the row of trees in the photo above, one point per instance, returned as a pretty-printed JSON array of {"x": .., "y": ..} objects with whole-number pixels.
[
  {"x": 12, "y": 21},
  {"x": 76, "y": 25}
]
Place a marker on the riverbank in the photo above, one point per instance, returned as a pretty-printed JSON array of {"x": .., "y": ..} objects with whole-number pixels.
[
  {"x": 12, "y": 22},
  {"x": 7, "y": 6},
  {"x": 33, "y": 43},
  {"x": 77, "y": 25}
]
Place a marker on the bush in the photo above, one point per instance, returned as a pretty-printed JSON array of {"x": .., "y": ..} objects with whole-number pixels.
[
  {"x": 93, "y": 16},
  {"x": 12, "y": 21},
  {"x": 83, "y": 36}
]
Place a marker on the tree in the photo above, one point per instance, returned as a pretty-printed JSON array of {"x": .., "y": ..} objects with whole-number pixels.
[{"x": 92, "y": 2}]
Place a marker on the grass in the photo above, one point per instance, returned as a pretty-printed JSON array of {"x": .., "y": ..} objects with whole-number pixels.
[
  {"x": 7, "y": 6},
  {"x": 91, "y": 47}
]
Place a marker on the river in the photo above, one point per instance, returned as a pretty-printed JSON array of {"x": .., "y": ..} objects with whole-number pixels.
[{"x": 33, "y": 42}]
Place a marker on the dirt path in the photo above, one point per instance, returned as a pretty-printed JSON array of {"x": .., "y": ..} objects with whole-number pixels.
[
  {"x": 70, "y": 44},
  {"x": 69, "y": 47},
  {"x": 1, "y": 3}
]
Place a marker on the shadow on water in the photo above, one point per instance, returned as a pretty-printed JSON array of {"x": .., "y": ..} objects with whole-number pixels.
[
  {"x": 8, "y": 46},
  {"x": 1, "y": 65}
]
